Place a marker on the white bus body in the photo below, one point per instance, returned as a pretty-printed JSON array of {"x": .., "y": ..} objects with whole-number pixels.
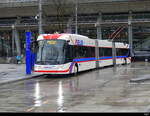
[{"x": 72, "y": 53}]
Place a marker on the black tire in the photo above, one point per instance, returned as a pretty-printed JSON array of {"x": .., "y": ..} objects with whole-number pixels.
[
  {"x": 125, "y": 60},
  {"x": 76, "y": 69}
]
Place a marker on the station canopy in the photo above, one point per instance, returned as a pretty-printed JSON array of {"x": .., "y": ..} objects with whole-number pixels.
[{"x": 13, "y": 8}]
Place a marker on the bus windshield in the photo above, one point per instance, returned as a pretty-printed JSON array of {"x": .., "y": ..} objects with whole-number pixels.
[{"x": 51, "y": 52}]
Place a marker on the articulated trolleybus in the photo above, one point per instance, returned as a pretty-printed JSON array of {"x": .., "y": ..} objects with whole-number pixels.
[{"x": 72, "y": 53}]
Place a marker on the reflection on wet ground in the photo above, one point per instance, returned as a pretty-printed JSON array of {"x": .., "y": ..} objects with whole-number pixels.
[{"x": 101, "y": 90}]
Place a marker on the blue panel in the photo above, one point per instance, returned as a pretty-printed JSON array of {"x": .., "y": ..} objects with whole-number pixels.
[{"x": 28, "y": 53}]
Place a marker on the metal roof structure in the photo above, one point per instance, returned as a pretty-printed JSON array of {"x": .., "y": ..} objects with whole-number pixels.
[{"x": 12, "y": 8}]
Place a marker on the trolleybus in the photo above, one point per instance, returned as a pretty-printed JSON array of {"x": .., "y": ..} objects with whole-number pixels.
[{"x": 72, "y": 53}]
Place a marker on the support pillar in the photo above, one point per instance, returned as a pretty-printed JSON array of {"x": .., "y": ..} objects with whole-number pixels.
[
  {"x": 13, "y": 41},
  {"x": 17, "y": 42},
  {"x": 69, "y": 29},
  {"x": 97, "y": 53},
  {"x": 99, "y": 37},
  {"x": 76, "y": 17},
  {"x": 130, "y": 33},
  {"x": 99, "y": 29},
  {"x": 40, "y": 18},
  {"x": 114, "y": 53}
]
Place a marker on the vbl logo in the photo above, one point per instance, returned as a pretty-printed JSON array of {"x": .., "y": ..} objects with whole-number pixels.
[{"x": 79, "y": 42}]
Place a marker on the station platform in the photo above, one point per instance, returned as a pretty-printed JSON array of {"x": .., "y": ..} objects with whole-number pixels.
[{"x": 14, "y": 72}]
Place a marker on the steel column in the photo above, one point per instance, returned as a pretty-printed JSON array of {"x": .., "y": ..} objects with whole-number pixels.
[
  {"x": 114, "y": 53},
  {"x": 76, "y": 17},
  {"x": 97, "y": 53},
  {"x": 99, "y": 37},
  {"x": 13, "y": 43},
  {"x": 99, "y": 29},
  {"x": 130, "y": 33},
  {"x": 17, "y": 42},
  {"x": 40, "y": 18},
  {"x": 69, "y": 30}
]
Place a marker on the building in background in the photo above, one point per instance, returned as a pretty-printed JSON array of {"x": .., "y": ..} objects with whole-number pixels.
[{"x": 97, "y": 19}]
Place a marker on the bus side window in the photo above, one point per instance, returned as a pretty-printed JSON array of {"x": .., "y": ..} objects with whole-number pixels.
[
  {"x": 69, "y": 53},
  {"x": 84, "y": 52},
  {"x": 109, "y": 52},
  {"x": 92, "y": 51},
  {"x": 118, "y": 52},
  {"x": 76, "y": 52}
]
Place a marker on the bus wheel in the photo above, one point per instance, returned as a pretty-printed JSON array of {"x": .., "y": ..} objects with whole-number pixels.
[
  {"x": 125, "y": 59},
  {"x": 76, "y": 69}
]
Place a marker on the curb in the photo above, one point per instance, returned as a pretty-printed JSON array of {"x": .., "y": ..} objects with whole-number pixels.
[
  {"x": 140, "y": 79},
  {"x": 21, "y": 79}
]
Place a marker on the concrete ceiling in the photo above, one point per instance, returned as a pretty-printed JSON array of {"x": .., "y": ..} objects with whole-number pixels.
[{"x": 92, "y": 6}]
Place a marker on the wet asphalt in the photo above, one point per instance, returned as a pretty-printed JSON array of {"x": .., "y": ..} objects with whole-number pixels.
[{"x": 101, "y": 90}]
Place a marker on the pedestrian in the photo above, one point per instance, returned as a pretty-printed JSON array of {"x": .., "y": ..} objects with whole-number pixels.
[{"x": 18, "y": 58}]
